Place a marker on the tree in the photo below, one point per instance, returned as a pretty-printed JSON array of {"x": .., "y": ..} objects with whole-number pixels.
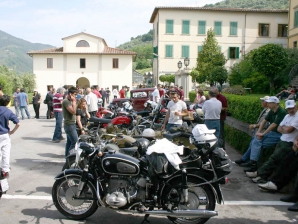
[
  {"x": 210, "y": 59},
  {"x": 270, "y": 60}
]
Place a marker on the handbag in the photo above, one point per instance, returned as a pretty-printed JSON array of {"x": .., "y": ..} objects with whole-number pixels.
[{"x": 45, "y": 100}]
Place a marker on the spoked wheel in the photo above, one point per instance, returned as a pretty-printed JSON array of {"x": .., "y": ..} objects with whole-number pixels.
[
  {"x": 201, "y": 197},
  {"x": 63, "y": 194},
  {"x": 71, "y": 163}
]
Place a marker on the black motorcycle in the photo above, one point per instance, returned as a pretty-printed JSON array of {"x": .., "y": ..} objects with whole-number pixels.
[{"x": 148, "y": 186}]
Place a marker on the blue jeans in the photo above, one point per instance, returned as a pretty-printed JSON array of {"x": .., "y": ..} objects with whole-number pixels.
[
  {"x": 72, "y": 137},
  {"x": 254, "y": 149},
  {"x": 22, "y": 108},
  {"x": 17, "y": 109},
  {"x": 58, "y": 129},
  {"x": 214, "y": 124},
  {"x": 169, "y": 126}
]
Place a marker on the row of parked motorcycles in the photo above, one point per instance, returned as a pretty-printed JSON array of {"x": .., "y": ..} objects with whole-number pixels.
[{"x": 111, "y": 168}]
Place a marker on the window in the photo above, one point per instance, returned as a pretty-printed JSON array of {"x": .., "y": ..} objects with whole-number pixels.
[
  {"x": 202, "y": 27},
  {"x": 200, "y": 48},
  {"x": 185, "y": 51},
  {"x": 185, "y": 27},
  {"x": 219, "y": 47},
  {"x": 296, "y": 19},
  {"x": 263, "y": 30},
  {"x": 295, "y": 44},
  {"x": 83, "y": 43},
  {"x": 115, "y": 63},
  {"x": 169, "y": 51},
  {"x": 49, "y": 62},
  {"x": 170, "y": 26},
  {"x": 233, "y": 52},
  {"x": 282, "y": 30},
  {"x": 82, "y": 62},
  {"x": 217, "y": 28},
  {"x": 233, "y": 28}
]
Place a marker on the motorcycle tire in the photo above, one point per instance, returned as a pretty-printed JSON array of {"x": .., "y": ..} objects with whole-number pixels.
[
  {"x": 62, "y": 195},
  {"x": 203, "y": 190}
]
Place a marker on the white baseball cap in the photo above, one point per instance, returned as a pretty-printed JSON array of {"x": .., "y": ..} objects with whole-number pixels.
[
  {"x": 272, "y": 99},
  {"x": 265, "y": 98},
  {"x": 290, "y": 104}
]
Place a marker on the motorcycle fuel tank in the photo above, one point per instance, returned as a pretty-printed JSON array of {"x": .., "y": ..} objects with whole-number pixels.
[
  {"x": 120, "y": 120},
  {"x": 120, "y": 164}
]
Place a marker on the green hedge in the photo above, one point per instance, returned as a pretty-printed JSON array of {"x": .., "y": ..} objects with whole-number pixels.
[
  {"x": 237, "y": 139},
  {"x": 192, "y": 95}
]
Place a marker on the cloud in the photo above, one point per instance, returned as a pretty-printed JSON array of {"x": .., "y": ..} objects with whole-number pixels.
[{"x": 12, "y": 4}]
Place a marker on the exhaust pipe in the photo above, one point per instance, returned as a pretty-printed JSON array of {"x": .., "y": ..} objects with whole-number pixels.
[{"x": 199, "y": 213}]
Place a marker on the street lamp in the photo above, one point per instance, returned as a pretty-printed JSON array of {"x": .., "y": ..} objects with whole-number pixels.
[
  {"x": 179, "y": 65},
  {"x": 186, "y": 62}
]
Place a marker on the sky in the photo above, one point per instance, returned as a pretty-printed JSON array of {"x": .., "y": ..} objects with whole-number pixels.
[{"x": 47, "y": 21}]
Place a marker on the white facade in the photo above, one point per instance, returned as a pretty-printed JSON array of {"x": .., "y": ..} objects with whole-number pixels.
[
  {"x": 244, "y": 38},
  {"x": 66, "y": 69}
]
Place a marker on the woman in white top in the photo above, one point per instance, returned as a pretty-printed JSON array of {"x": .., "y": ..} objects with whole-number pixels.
[{"x": 200, "y": 100}]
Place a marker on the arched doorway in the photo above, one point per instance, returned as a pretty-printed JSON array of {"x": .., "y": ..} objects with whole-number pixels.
[{"x": 83, "y": 82}]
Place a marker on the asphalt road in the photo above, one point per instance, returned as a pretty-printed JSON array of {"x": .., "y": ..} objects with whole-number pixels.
[{"x": 35, "y": 161}]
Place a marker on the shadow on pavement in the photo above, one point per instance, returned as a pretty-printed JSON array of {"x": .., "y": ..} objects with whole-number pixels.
[
  {"x": 37, "y": 139},
  {"x": 51, "y": 155}
]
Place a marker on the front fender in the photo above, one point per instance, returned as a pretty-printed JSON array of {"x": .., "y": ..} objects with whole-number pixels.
[{"x": 72, "y": 172}]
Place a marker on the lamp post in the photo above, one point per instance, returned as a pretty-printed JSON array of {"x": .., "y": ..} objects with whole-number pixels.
[
  {"x": 179, "y": 65},
  {"x": 186, "y": 62}
]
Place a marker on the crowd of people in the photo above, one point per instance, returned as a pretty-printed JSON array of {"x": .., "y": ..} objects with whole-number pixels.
[{"x": 276, "y": 127}]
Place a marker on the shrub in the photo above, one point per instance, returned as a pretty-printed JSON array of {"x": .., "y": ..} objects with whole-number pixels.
[
  {"x": 233, "y": 136},
  {"x": 192, "y": 95},
  {"x": 238, "y": 90}
]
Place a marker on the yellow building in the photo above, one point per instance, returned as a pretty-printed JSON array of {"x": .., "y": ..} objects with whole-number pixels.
[{"x": 293, "y": 24}]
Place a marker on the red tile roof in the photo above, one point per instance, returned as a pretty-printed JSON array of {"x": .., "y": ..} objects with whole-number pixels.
[{"x": 216, "y": 9}]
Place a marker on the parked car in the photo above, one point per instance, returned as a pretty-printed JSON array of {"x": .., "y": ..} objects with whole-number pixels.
[{"x": 137, "y": 98}]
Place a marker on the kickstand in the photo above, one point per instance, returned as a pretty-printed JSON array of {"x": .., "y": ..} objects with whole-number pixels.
[{"x": 145, "y": 219}]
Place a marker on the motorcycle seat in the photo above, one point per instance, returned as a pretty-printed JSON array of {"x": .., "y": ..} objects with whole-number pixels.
[
  {"x": 100, "y": 120},
  {"x": 172, "y": 135}
]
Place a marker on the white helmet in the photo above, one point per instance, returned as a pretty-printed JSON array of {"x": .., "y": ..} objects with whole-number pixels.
[
  {"x": 127, "y": 106},
  {"x": 204, "y": 138},
  {"x": 200, "y": 112},
  {"x": 148, "y": 133}
]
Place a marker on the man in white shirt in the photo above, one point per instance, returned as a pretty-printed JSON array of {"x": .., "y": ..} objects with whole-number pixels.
[
  {"x": 91, "y": 99},
  {"x": 155, "y": 94},
  {"x": 176, "y": 110},
  {"x": 115, "y": 93},
  {"x": 289, "y": 130},
  {"x": 212, "y": 109}
]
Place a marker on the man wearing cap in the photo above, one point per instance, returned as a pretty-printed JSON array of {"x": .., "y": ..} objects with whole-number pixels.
[
  {"x": 269, "y": 137},
  {"x": 255, "y": 126},
  {"x": 289, "y": 130}
]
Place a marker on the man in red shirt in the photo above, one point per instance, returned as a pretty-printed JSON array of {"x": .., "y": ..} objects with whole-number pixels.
[
  {"x": 161, "y": 90},
  {"x": 223, "y": 116},
  {"x": 96, "y": 92},
  {"x": 57, "y": 105},
  {"x": 122, "y": 92},
  {"x": 181, "y": 93}
]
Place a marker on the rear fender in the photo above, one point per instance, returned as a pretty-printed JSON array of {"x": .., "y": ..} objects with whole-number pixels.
[
  {"x": 72, "y": 172},
  {"x": 196, "y": 178}
]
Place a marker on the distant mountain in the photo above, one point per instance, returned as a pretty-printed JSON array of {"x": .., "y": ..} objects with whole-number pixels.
[
  {"x": 13, "y": 52},
  {"x": 253, "y": 4}
]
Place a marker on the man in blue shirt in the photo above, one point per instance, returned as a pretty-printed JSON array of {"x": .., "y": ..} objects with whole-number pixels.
[{"x": 23, "y": 102}]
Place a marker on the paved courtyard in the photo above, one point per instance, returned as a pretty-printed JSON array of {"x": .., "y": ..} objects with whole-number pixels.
[{"x": 35, "y": 161}]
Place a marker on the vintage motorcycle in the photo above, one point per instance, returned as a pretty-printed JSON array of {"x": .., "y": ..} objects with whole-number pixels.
[{"x": 149, "y": 186}]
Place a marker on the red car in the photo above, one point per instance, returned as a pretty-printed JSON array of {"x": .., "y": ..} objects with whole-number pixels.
[{"x": 137, "y": 98}]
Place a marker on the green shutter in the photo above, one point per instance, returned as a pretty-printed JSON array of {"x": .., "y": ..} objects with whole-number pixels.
[
  {"x": 185, "y": 51},
  {"x": 296, "y": 19},
  {"x": 233, "y": 28},
  {"x": 200, "y": 48},
  {"x": 237, "y": 52},
  {"x": 185, "y": 27},
  {"x": 202, "y": 27},
  {"x": 169, "y": 26},
  {"x": 229, "y": 49},
  {"x": 217, "y": 28},
  {"x": 169, "y": 51},
  {"x": 155, "y": 51}
]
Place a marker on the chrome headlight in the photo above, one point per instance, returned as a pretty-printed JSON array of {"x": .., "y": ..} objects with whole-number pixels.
[
  {"x": 145, "y": 104},
  {"x": 78, "y": 152}
]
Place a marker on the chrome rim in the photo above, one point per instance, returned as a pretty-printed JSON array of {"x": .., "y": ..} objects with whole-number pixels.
[{"x": 65, "y": 193}]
